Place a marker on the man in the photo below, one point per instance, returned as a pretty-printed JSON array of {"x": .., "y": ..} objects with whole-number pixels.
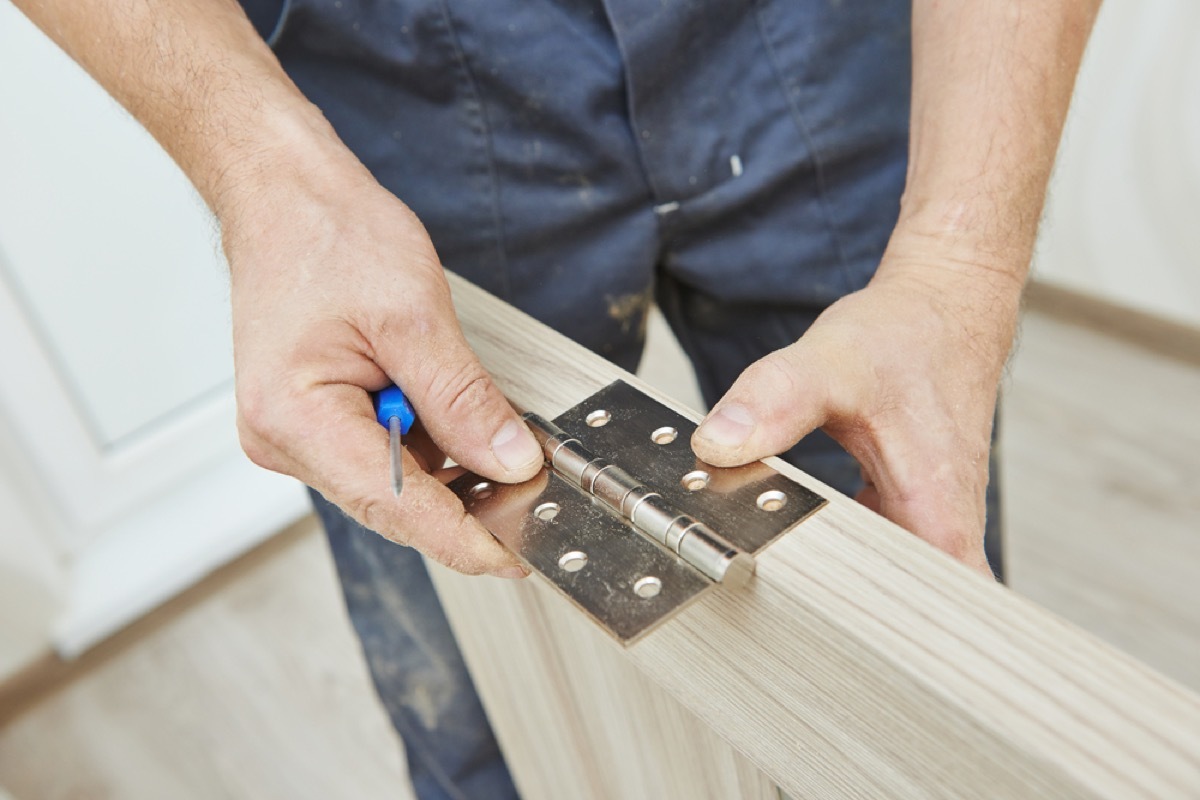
[{"x": 742, "y": 161}]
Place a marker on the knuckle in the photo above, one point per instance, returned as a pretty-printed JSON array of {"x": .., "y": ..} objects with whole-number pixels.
[
  {"x": 252, "y": 415},
  {"x": 260, "y": 416},
  {"x": 256, "y": 448},
  {"x": 465, "y": 391}
]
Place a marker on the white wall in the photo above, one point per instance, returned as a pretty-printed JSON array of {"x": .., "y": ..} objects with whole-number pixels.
[{"x": 1123, "y": 221}]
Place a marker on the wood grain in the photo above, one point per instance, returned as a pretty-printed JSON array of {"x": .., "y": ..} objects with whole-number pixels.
[{"x": 859, "y": 663}]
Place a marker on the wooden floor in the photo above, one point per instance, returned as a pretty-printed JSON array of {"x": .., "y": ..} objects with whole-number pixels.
[
  {"x": 254, "y": 688},
  {"x": 1102, "y": 465},
  {"x": 255, "y": 691}
]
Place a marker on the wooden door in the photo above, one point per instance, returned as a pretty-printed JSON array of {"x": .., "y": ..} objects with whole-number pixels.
[{"x": 859, "y": 662}]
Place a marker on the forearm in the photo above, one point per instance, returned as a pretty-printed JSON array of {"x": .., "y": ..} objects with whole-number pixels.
[
  {"x": 992, "y": 80},
  {"x": 200, "y": 79}
]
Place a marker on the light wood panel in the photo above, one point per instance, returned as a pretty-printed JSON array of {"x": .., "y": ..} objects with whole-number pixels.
[
  {"x": 1086, "y": 466},
  {"x": 859, "y": 663}
]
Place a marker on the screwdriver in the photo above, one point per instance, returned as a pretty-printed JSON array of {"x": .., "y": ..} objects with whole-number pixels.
[{"x": 394, "y": 413}]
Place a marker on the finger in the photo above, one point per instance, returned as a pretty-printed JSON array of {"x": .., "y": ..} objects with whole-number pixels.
[
  {"x": 939, "y": 501},
  {"x": 424, "y": 449},
  {"x": 449, "y": 473},
  {"x": 868, "y": 496},
  {"x": 777, "y": 401},
  {"x": 455, "y": 398},
  {"x": 936, "y": 521},
  {"x": 331, "y": 441}
]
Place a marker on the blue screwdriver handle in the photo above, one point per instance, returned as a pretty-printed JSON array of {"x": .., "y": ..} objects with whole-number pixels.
[{"x": 391, "y": 402}]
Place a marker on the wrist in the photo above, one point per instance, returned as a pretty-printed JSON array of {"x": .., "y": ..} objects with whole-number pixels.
[
  {"x": 976, "y": 292},
  {"x": 947, "y": 257},
  {"x": 295, "y": 161},
  {"x": 972, "y": 220}
]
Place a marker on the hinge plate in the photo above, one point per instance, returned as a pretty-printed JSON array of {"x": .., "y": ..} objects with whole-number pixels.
[{"x": 623, "y": 580}]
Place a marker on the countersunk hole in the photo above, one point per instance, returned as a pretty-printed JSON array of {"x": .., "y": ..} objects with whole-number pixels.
[
  {"x": 772, "y": 500},
  {"x": 546, "y": 511},
  {"x": 647, "y": 587},
  {"x": 481, "y": 490},
  {"x": 664, "y": 435},
  {"x": 573, "y": 561},
  {"x": 598, "y": 418},
  {"x": 696, "y": 480}
]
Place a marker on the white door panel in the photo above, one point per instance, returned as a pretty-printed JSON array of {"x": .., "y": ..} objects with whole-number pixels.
[
  {"x": 116, "y": 395},
  {"x": 114, "y": 263}
]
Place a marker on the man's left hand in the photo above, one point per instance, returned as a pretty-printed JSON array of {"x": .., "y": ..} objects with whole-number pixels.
[{"x": 904, "y": 375}]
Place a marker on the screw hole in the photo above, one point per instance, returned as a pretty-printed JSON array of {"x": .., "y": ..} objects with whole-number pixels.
[
  {"x": 695, "y": 480},
  {"x": 664, "y": 435},
  {"x": 481, "y": 490},
  {"x": 772, "y": 500},
  {"x": 647, "y": 587},
  {"x": 598, "y": 418},
  {"x": 546, "y": 511},
  {"x": 573, "y": 561}
]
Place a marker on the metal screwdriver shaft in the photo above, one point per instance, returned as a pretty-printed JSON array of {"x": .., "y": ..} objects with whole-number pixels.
[
  {"x": 397, "y": 455},
  {"x": 394, "y": 413}
]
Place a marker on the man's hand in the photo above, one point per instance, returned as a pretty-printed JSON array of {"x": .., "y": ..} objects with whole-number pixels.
[
  {"x": 337, "y": 290},
  {"x": 336, "y": 286},
  {"x": 904, "y": 375}
]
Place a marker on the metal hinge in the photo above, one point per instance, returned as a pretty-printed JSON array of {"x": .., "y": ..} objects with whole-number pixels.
[{"x": 625, "y": 520}]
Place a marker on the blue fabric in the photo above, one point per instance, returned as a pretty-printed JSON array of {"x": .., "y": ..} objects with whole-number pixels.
[
  {"x": 739, "y": 160},
  {"x": 416, "y": 665}
]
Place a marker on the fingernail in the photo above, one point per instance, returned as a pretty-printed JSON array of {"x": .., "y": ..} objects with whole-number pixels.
[
  {"x": 515, "y": 572},
  {"x": 515, "y": 448},
  {"x": 728, "y": 426}
]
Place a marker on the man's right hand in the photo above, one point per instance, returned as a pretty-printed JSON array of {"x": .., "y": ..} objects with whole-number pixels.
[{"x": 337, "y": 291}]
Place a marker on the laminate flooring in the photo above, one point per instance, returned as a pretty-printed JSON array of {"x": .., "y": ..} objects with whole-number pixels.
[{"x": 256, "y": 688}]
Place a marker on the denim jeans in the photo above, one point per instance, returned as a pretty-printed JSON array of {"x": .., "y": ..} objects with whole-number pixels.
[{"x": 738, "y": 161}]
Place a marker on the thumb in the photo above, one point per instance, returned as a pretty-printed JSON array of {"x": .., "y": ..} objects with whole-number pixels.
[
  {"x": 776, "y": 402},
  {"x": 460, "y": 407}
]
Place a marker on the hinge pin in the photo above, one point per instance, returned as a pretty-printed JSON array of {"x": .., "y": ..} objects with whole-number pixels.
[{"x": 645, "y": 508}]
